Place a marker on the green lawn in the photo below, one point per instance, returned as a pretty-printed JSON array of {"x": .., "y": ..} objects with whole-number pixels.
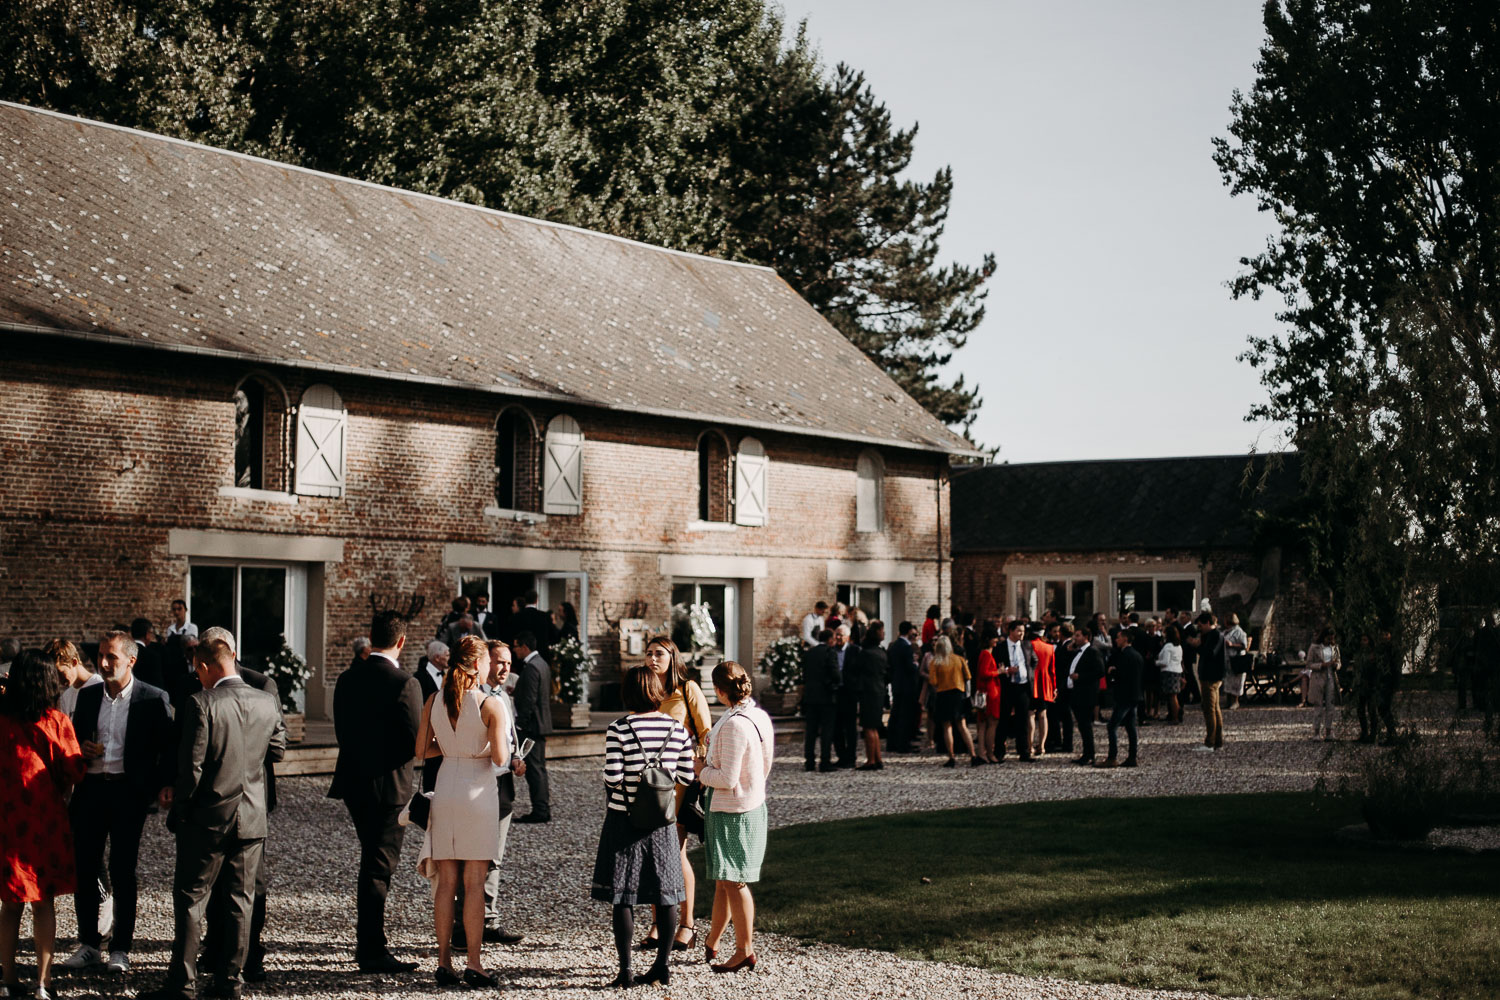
[{"x": 1225, "y": 894}]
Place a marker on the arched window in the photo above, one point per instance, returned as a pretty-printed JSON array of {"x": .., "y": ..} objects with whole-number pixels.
[
  {"x": 750, "y": 467},
  {"x": 260, "y": 434},
  {"x": 322, "y": 425},
  {"x": 713, "y": 477},
  {"x": 869, "y": 492},
  {"x": 516, "y": 478},
  {"x": 562, "y": 467}
]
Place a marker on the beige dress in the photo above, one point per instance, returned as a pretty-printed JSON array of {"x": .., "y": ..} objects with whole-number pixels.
[{"x": 465, "y": 817}]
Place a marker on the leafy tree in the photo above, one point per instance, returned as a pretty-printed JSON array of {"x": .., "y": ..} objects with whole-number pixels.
[
  {"x": 1372, "y": 135},
  {"x": 685, "y": 123}
]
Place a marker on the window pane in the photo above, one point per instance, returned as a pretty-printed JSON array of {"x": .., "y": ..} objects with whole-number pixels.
[
  {"x": 262, "y": 613},
  {"x": 1132, "y": 595},
  {"x": 1177, "y": 594},
  {"x": 505, "y": 460},
  {"x": 211, "y": 599},
  {"x": 1083, "y": 598},
  {"x": 1028, "y": 595},
  {"x": 1055, "y": 597},
  {"x": 867, "y": 599},
  {"x": 845, "y": 594}
]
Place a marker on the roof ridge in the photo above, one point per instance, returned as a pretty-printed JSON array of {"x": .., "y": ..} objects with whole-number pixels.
[{"x": 381, "y": 187}]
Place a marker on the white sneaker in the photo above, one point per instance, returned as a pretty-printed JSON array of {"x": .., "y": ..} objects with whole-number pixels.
[
  {"x": 118, "y": 962},
  {"x": 85, "y": 956},
  {"x": 1200, "y": 748}
]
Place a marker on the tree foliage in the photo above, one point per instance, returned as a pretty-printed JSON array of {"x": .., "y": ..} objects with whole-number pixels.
[
  {"x": 1372, "y": 135},
  {"x": 684, "y": 123}
]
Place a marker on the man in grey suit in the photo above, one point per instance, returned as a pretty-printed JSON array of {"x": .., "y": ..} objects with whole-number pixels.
[
  {"x": 534, "y": 722},
  {"x": 230, "y": 730}
]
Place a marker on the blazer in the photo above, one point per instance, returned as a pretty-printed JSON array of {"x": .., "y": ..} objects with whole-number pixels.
[
  {"x": 1213, "y": 656},
  {"x": 255, "y": 679},
  {"x": 538, "y": 623},
  {"x": 425, "y": 684},
  {"x": 533, "y": 695},
  {"x": 1084, "y": 693},
  {"x": 229, "y": 732},
  {"x": 865, "y": 671},
  {"x": 903, "y": 667},
  {"x": 148, "y": 735},
  {"x": 377, "y": 708},
  {"x": 1126, "y": 667},
  {"x": 820, "y": 675}
]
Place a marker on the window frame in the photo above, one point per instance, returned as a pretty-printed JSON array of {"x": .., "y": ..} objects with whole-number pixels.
[
  {"x": 875, "y": 522},
  {"x": 1196, "y": 579}
]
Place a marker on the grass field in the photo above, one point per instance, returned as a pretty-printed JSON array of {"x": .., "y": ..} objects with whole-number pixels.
[{"x": 1225, "y": 894}]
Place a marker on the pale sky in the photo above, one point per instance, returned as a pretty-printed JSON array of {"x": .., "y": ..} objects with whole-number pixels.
[{"x": 1079, "y": 136}]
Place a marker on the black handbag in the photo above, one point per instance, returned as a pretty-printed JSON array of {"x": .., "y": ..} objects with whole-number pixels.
[
  {"x": 419, "y": 809},
  {"x": 690, "y": 811}
]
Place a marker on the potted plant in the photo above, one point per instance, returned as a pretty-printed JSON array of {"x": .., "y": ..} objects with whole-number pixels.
[
  {"x": 290, "y": 673},
  {"x": 571, "y": 667},
  {"x": 783, "y": 661}
]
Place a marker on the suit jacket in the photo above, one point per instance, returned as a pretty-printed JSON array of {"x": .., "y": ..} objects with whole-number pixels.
[
  {"x": 1085, "y": 691},
  {"x": 150, "y": 665},
  {"x": 229, "y": 732},
  {"x": 255, "y": 679},
  {"x": 865, "y": 672},
  {"x": 538, "y": 623},
  {"x": 377, "y": 709},
  {"x": 820, "y": 675},
  {"x": 902, "y": 660},
  {"x": 1126, "y": 667},
  {"x": 1002, "y": 659},
  {"x": 425, "y": 683},
  {"x": 1213, "y": 656},
  {"x": 533, "y": 696},
  {"x": 148, "y": 734}
]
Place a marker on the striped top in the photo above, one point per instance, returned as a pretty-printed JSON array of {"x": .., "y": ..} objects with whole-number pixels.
[{"x": 625, "y": 755}]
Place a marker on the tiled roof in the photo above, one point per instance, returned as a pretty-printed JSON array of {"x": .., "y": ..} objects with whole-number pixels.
[
  {"x": 127, "y": 236},
  {"x": 1145, "y": 503}
]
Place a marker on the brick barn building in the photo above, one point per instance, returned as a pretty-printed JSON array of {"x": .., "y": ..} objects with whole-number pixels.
[
  {"x": 280, "y": 394},
  {"x": 1132, "y": 535}
]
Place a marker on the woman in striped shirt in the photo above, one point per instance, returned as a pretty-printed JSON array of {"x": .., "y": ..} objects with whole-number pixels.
[{"x": 640, "y": 866}]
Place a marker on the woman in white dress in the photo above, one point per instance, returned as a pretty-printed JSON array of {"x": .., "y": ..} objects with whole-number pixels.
[{"x": 466, "y": 728}]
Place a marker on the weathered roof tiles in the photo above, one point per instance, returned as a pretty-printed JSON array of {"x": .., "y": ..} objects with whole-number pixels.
[{"x": 132, "y": 237}]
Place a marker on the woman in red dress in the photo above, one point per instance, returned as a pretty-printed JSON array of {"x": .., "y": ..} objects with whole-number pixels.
[
  {"x": 987, "y": 683},
  {"x": 39, "y": 761},
  {"x": 1043, "y": 692}
]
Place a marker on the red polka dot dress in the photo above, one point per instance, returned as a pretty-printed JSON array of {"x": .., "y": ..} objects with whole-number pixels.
[{"x": 39, "y": 762}]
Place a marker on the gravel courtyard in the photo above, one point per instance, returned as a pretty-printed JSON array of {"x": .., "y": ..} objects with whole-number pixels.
[{"x": 567, "y": 951}]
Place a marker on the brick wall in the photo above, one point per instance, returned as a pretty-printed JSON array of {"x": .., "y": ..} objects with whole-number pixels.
[{"x": 103, "y": 452}]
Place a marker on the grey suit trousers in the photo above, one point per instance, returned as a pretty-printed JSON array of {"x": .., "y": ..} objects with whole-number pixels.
[{"x": 201, "y": 857}]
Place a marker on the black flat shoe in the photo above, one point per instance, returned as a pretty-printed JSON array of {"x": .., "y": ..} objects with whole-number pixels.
[
  {"x": 481, "y": 980},
  {"x": 447, "y": 978}
]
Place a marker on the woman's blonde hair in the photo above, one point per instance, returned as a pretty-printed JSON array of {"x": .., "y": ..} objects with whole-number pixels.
[{"x": 463, "y": 673}]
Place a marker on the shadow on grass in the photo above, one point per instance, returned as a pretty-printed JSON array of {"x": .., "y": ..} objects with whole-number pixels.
[{"x": 1228, "y": 894}]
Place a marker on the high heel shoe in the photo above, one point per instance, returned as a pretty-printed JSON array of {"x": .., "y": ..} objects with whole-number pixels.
[
  {"x": 680, "y": 945},
  {"x": 648, "y": 943},
  {"x": 747, "y": 963},
  {"x": 709, "y": 954},
  {"x": 656, "y": 974},
  {"x": 623, "y": 981}
]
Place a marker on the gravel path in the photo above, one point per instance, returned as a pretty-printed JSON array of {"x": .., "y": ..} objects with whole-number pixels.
[{"x": 567, "y": 952}]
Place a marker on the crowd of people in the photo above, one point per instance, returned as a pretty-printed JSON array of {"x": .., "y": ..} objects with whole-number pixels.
[
  {"x": 977, "y": 688},
  {"x": 102, "y": 737}
]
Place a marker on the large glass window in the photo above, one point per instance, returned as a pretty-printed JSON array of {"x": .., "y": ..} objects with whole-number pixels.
[
  {"x": 1150, "y": 595},
  {"x": 713, "y": 477},
  {"x": 516, "y": 479},
  {"x": 261, "y": 604},
  {"x": 697, "y": 644},
  {"x": 1063, "y": 596},
  {"x": 874, "y": 599}
]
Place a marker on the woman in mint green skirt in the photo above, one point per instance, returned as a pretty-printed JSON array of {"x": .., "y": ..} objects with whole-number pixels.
[{"x": 739, "y": 760}]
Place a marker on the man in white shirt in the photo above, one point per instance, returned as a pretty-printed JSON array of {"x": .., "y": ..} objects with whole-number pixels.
[
  {"x": 76, "y": 676},
  {"x": 1016, "y": 657},
  {"x": 812, "y": 623},
  {"x": 505, "y": 781},
  {"x": 180, "y": 624}
]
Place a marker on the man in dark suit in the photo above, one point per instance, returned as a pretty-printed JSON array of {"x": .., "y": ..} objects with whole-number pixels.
[
  {"x": 217, "y": 946},
  {"x": 430, "y": 679},
  {"x": 846, "y": 699},
  {"x": 1126, "y": 666},
  {"x": 820, "y": 683},
  {"x": 539, "y": 623},
  {"x": 218, "y": 811},
  {"x": 125, "y": 729},
  {"x": 1080, "y": 667},
  {"x": 1016, "y": 658},
  {"x": 148, "y": 658},
  {"x": 377, "y": 708},
  {"x": 1213, "y": 664},
  {"x": 905, "y": 687},
  {"x": 534, "y": 721}
]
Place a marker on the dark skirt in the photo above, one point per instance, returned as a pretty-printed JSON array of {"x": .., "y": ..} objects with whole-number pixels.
[
  {"x": 951, "y": 706},
  {"x": 636, "y": 867},
  {"x": 872, "y": 712}
]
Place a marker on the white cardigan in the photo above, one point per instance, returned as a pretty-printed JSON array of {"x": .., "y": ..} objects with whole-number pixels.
[{"x": 739, "y": 758}]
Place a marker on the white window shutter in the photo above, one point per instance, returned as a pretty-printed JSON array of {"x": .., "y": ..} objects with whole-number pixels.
[
  {"x": 868, "y": 515},
  {"x": 750, "y": 467},
  {"x": 562, "y": 477},
  {"x": 321, "y": 439}
]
